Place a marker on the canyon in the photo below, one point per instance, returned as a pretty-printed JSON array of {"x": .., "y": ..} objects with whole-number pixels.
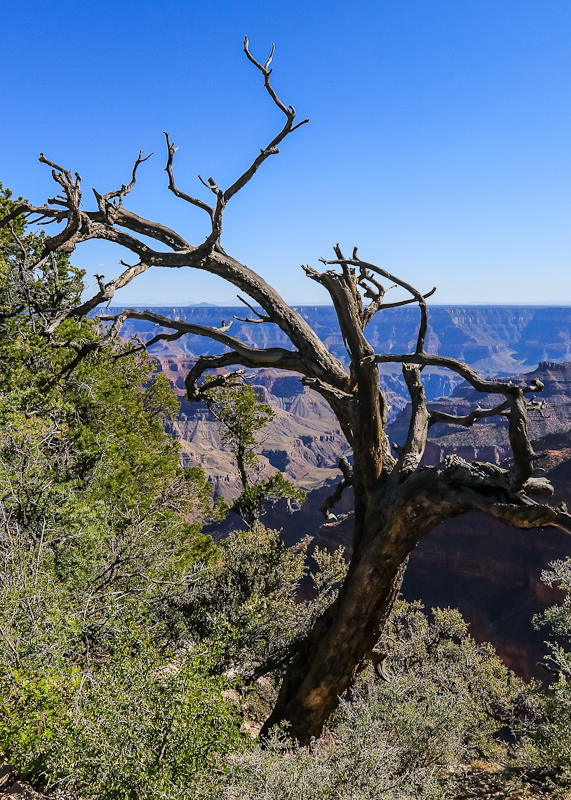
[
  {"x": 489, "y": 571},
  {"x": 493, "y": 339}
]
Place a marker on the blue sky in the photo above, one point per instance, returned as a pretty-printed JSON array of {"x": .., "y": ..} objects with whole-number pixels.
[{"x": 439, "y": 140}]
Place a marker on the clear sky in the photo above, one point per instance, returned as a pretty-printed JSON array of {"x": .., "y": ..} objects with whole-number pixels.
[{"x": 439, "y": 140}]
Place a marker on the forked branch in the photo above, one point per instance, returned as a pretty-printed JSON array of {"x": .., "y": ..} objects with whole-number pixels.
[
  {"x": 367, "y": 268},
  {"x": 105, "y": 201},
  {"x": 105, "y": 294},
  {"x": 467, "y": 420},
  {"x": 523, "y": 452},
  {"x": 222, "y": 197},
  {"x": 289, "y": 127},
  {"x": 71, "y": 200}
]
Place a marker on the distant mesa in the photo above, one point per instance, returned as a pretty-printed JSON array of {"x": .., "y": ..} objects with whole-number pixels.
[
  {"x": 127, "y": 304},
  {"x": 496, "y": 340}
]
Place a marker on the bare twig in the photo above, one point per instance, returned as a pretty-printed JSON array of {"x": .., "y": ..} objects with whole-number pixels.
[
  {"x": 104, "y": 201},
  {"x": 261, "y": 317}
]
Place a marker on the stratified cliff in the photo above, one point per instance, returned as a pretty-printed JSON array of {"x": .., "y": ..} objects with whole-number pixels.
[
  {"x": 494, "y": 339},
  {"x": 303, "y": 440}
]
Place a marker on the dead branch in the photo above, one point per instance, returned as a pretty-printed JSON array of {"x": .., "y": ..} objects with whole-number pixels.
[
  {"x": 261, "y": 317},
  {"x": 412, "y": 451},
  {"x": 105, "y": 293},
  {"x": 272, "y": 148},
  {"x": 266, "y": 358},
  {"x": 478, "y": 489},
  {"x": 523, "y": 453},
  {"x": 365, "y": 266},
  {"x": 347, "y": 481},
  {"x": 171, "y": 150},
  {"x": 469, "y": 419},
  {"x": 104, "y": 201},
  {"x": 72, "y": 190}
]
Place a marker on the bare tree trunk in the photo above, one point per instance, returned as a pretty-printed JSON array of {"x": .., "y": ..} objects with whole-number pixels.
[{"x": 328, "y": 662}]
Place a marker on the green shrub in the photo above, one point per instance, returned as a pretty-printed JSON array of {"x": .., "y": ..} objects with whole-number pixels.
[
  {"x": 438, "y": 705},
  {"x": 448, "y": 695},
  {"x": 245, "y": 601},
  {"x": 140, "y": 724},
  {"x": 554, "y": 737},
  {"x": 355, "y": 762}
]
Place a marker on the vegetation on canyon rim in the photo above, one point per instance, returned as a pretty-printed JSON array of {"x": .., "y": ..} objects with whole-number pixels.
[{"x": 132, "y": 645}]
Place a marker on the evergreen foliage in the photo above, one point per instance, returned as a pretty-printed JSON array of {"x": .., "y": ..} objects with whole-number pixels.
[
  {"x": 97, "y": 699},
  {"x": 403, "y": 735},
  {"x": 555, "y": 736},
  {"x": 243, "y": 415},
  {"x": 244, "y": 602}
]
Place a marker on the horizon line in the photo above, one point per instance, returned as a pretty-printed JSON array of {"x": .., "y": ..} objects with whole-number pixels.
[{"x": 476, "y": 304}]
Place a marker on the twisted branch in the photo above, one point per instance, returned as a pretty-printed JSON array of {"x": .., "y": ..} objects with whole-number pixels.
[
  {"x": 365, "y": 266},
  {"x": 412, "y": 451}
]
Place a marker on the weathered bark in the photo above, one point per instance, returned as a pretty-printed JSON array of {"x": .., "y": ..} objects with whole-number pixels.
[{"x": 397, "y": 501}]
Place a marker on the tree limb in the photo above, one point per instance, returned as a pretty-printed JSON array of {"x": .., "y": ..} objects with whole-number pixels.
[
  {"x": 412, "y": 451},
  {"x": 105, "y": 293},
  {"x": 347, "y": 481},
  {"x": 468, "y": 420},
  {"x": 171, "y": 150},
  {"x": 365, "y": 266},
  {"x": 522, "y": 449},
  {"x": 72, "y": 200},
  {"x": 523, "y": 516},
  {"x": 272, "y": 148},
  {"x": 261, "y": 317},
  {"x": 104, "y": 200}
]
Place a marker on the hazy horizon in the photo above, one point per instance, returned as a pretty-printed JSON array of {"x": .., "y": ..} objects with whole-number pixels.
[{"x": 234, "y": 304}]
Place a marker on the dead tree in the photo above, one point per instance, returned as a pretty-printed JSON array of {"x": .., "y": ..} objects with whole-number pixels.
[{"x": 397, "y": 501}]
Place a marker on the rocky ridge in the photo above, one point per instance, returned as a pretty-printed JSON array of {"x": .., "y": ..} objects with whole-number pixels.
[{"x": 493, "y": 339}]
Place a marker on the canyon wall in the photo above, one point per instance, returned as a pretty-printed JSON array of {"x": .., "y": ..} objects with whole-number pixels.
[
  {"x": 489, "y": 571},
  {"x": 498, "y": 339}
]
